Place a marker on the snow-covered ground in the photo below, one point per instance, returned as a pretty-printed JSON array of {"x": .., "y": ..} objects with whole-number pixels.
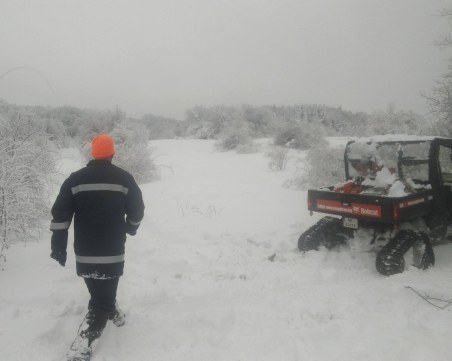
[{"x": 214, "y": 274}]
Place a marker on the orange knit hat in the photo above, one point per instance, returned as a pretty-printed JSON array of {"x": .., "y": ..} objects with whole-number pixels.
[{"x": 102, "y": 146}]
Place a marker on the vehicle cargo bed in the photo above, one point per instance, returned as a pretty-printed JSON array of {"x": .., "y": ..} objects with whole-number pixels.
[{"x": 369, "y": 206}]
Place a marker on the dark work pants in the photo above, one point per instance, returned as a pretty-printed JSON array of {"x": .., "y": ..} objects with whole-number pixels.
[
  {"x": 101, "y": 307},
  {"x": 103, "y": 294}
]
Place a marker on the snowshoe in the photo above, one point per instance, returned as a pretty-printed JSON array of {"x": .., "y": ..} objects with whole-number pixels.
[
  {"x": 89, "y": 330},
  {"x": 327, "y": 232},
  {"x": 79, "y": 350}
]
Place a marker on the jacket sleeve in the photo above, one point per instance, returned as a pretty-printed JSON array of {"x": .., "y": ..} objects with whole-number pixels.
[
  {"x": 134, "y": 208},
  {"x": 62, "y": 212}
]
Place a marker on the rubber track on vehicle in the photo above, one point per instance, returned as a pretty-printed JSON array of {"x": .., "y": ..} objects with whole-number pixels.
[
  {"x": 323, "y": 233},
  {"x": 390, "y": 258}
]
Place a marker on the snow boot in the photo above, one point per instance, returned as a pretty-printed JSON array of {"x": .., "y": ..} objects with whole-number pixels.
[
  {"x": 118, "y": 317},
  {"x": 90, "y": 329}
]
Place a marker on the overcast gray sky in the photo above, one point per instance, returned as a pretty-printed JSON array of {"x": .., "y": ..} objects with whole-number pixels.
[{"x": 165, "y": 56}]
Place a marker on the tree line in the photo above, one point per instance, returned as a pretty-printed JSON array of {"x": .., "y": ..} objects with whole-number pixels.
[{"x": 297, "y": 126}]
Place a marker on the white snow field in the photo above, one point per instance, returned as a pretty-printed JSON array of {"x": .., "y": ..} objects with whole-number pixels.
[{"x": 214, "y": 274}]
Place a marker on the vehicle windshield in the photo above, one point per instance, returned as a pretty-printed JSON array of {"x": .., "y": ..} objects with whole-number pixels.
[
  {"x": 367, "y": 159},
  {"x": 414, "y": 161}
]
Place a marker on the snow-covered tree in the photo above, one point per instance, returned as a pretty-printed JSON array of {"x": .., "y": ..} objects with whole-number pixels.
[
  {"x": 26, "y": 162},
  {"x": 278, "y": 157},
  {"x": 322, "y": 166},
  {"x": 302, "y": 135},
  {"x": 234, "y": 134},
  {"x": 440, "y": 98},
  {"x": 133, "y": 154},
  {"x": 394, "y": 121},
  {"x": 163, "y": 127}
]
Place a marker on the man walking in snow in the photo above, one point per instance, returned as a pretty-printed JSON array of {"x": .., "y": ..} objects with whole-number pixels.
[{"x": 106, "y": 204}]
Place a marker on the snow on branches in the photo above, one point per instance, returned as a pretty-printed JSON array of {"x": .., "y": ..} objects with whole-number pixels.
[{"x": 25, "y": 165}]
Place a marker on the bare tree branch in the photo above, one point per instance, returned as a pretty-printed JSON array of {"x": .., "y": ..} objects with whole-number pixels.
[{"x": 429, "y": 299}]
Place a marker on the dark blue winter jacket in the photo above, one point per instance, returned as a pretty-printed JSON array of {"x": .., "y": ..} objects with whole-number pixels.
[{"x": 106, "y": 204}]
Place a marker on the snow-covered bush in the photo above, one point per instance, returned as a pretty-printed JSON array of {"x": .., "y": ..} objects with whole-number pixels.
[
  {"x": 302, "y": 135},
  {"x": 210, "y": 122},
  {"x": 232, "y": 141},
  {"x": 322, "y": 166},
  {"x": 235, "y": 134},
  {"x": 133, "y": 154},
  {"x": 247, "y": 148},
  {"x": 162, "y": 127},
  {"x": 202, "y": 130},
  {"x": 26, "y": 162},
  {"x": 278, "y": 157}
]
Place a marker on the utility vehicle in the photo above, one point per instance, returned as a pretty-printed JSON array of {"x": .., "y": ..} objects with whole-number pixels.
[{"x": 399, "y": 189}]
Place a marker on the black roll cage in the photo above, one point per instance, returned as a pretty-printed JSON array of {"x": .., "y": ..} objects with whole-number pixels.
[{"x": 434, "y": 169}]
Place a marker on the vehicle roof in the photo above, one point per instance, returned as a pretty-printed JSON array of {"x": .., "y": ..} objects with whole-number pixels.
[{"x": 396, "y": 138}]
